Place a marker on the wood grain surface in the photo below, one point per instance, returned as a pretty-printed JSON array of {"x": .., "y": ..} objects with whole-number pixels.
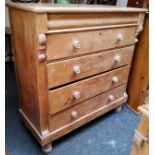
[
  {"x": 62, "y": 72},
  {"x": 62, "y": 45},
  {"x": 62, "y": 98}
]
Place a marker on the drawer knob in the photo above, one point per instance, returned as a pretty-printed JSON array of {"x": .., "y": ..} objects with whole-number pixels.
[
  {"x": 111, "y": 98},
  {"x": 76, "y": 44},
  {"x": 74, "y": 114},
  {"x": 115, "y": 79},
  {"x": 120, "y": 37},
  {"x": 117, "y": 58},
  {"x": 76, "y": 69},
  {"x": 42, "y": 56},
  {"x": 76, "y": 94},
  {"x": 135, "y": 40},
  {"x": 125, "y": 96}
]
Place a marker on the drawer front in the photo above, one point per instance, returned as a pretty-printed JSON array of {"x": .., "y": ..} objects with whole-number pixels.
[
  {"x": 77, "y": 43},
  {"x": 66, "y": 71},
  {"x": 67, "y": 96},
  {"x": 65, "y": 21},
  {"x": 73, "y": 114}
]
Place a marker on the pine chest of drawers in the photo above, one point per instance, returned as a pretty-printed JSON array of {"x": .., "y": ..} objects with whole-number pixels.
[{"x": 72, "y": 63}]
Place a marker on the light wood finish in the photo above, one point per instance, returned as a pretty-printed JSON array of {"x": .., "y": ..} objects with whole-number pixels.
[
  {"x": 66, "y": 129},
  {"x": 72, "y": 8},
  {"x": 104, "y": 109},
  {"x": 92, "y": 28},
  {"x": 144, "y": 109},
  {"x": 89, "y": 65},
  {"x": 45, "y": 61},
  {"x": 31, "y": 86},
  {"x": 139, "y": 76},
  {"x": 65, "y": 118},
  {"x": 146, "y": 101},
  {"x": 63, "y": 45},
  {"x": 141, "y": 138},
  {"x": 58, "y": 21},
  {"x": 87, "y": 88}
]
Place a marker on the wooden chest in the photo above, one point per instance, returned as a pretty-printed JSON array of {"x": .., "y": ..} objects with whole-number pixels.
[{"x": 72, "y": 63}]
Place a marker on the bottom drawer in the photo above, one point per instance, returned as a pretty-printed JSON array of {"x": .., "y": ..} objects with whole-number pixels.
[{"x": 77, "y": 112}]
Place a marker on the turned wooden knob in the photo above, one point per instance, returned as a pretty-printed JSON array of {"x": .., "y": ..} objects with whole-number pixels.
[
  {"x": 135, "y": 40},
  {"x": 125, "y": 96},
  {"x": 111, "y": 98},
  {"x": 76, "y": 94},
  {"x": 76, "y": 69},
  {"x": 42, "y": 39},
  {"x": 119, "y": 37},
  {"x": 42, "y": 57},
  {"x": 115, "y": 79},
  {"x": 74, "y": 114},
  {"x": 76, "y": 44},
  {"x": 117, "y": 58}
]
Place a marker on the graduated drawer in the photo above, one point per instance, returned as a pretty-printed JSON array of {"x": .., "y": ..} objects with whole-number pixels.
[
  {"x": 64, "y": 97},
  {"x": 76, "y": 113},
  {"x": 66, "y": 71},
  {"x": 61, "y": 45}
]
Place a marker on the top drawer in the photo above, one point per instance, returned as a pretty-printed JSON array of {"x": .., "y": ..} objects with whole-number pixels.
[
  {"x": 78, "y": 20},
  {"x": 77, "y": 43}
]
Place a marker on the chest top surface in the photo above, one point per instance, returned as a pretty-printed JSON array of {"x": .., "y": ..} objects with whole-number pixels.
[{"x": 71, "y": 8}]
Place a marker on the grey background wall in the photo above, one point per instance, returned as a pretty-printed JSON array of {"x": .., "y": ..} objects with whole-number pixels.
[
  {"x": 6, "y": 16},
  {"x": 122, "y": 2}
]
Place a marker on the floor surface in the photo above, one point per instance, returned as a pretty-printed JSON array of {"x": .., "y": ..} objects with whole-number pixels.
[{"x": 110, "y": 134}]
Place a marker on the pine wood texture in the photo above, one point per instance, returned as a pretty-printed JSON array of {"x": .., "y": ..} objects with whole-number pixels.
[
  {"x": 58, "y": 21},
  {"x": 89, "y": 65},
  {"x": 139, "y": 76},
  {"x": 89, "y": 41},
  {"x": 62, "y": 119},
  {"x": 71, "y": 8},
  {"x": 53, "y": 100},
  {"x": 87, "y": 88},
  {"x": 32, "y": 94},
  {"x": 141, "y": 141}
]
